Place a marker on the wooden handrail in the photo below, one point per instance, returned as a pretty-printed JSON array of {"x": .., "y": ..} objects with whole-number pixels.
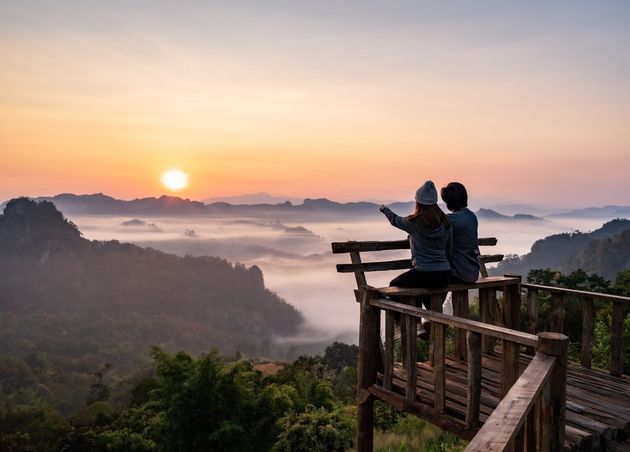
[
  {"x": 579, "y": 293},
  {"x": 558, "y": 314},
  {"x": 347, "y": 247},
  {"x": 505, "y": 422},
  {"x": 538, "y": 397},
  {"x": 525, "y": 339}
]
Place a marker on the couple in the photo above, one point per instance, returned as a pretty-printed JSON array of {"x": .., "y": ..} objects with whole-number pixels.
[{"x": 443, "y": 247}]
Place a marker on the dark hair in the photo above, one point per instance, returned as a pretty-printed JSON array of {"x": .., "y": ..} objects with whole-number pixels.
[
  {"x": 430, "y": 216},
  {"x": 455, "y": 196}
]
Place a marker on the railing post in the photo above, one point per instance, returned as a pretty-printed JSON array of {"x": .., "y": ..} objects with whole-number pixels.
[
  {"x": 439, "y": 369},
  {"x": 532, "y": 314},
  {"x": 487, "y": 314},
  {"x": 474, "y": 379},
  {"x": 412, "y": 355},
  {"x": 588, "y": 329},
  {"x": 532, "y": 310},
  {"x": 557, "y": 312},
  {"x": 436, "y": 306},
  {"x": 388, "y": 357},
  {"x": 369, "y": 333},
  {"x": 511, "y": 311},
  {"x": 460, "y": 309},
  {"x": 555, "y": 344},
  {"x": 616, "y": 333}
]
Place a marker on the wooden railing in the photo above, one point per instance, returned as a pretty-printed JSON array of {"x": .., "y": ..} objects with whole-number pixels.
[
  {"x": 558, "y": 315},
  {"x": 531, "y": 416},
  {"x": 545, "y": 425}
]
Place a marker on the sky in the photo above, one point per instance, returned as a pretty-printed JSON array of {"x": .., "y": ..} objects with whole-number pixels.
[{"x": 350, "y": 100}]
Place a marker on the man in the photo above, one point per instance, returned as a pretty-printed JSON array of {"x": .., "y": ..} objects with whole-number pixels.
[{"x": 465, "y": 254}]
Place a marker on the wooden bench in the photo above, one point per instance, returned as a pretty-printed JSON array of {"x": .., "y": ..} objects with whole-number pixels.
[{"x": 487, "y": 285}]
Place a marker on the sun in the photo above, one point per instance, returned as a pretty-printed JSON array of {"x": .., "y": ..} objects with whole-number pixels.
[{"x": 174, "y": 179}]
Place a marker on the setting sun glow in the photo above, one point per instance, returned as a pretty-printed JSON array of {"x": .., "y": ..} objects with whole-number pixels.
[{"x": 174, "y": 179}]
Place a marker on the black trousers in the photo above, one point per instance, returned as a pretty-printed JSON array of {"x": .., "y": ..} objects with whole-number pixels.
[{"x": 422, "y": 280}]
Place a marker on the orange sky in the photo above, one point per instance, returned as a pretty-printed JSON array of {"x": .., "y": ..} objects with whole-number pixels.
[{"x": 301, "y": 102}]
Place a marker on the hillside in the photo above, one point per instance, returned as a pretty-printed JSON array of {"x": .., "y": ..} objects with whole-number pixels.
[
  {"x": 69, "y": 305},
  {"x": 603, "y": 251}
]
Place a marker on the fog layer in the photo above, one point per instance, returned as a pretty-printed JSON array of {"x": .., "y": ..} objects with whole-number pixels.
[{"x": 295, "y": 256}]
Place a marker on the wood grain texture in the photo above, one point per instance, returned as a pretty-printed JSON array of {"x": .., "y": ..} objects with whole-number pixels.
[
  {"x": 498, "y": 332},
  {"x": 616, "y": 333},
  {"x": 507, "y": 419},
  {"x": 588, "y": 330},
  {"x": 346, "y": 247}
]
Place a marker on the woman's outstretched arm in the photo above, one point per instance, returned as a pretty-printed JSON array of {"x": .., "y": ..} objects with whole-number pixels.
[{"x": 395, "y": 220}]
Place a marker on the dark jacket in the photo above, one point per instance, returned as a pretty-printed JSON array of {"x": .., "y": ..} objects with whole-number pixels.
[
  {"x": 430, "y": 248},
  {"x": 465, "y": 256}
]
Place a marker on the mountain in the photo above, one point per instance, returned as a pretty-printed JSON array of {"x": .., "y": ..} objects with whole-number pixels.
[
  {"x": 605, "y": 256},
  {"x": 611, "y": 211},
  {"x": 100, "y": 204},
  {"x": 512, "y": 209},
  {"x": 603, "y": 251},
  {"x": 252, "y": 198},
  {"x": 70, "y": 305},
  {"x": 489, "y": 214}
]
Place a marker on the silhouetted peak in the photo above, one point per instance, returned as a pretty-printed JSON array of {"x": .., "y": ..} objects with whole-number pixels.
[{"x": 33, "y": 223}]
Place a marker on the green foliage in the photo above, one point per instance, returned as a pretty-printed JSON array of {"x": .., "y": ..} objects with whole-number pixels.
[
  {"x": 622, "y": 283},
  {"x": 602, "y": 341},
  {"x": 411, "y": 434},
  {"x": 316, "y": 430},
  {"x": 338, "y": 356}
]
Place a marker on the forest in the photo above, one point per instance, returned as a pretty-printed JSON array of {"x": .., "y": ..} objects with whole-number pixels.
[
  {"x": 91, "y": 350},
  {"x": 70, "y": 306}
]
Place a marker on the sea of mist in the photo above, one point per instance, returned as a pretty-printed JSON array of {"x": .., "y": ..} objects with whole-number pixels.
[{"x": 296, "y": 257}]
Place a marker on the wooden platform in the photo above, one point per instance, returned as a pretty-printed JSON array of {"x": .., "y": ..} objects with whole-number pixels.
[{"x": 598, "y": 404}]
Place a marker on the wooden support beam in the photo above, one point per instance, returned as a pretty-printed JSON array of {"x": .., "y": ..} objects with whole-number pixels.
[
  {"x": 388, "y": 356},
  {"x": 487, "y": 314},
  {"x": 439, "y": 369},
  {"x": 355, "y": 257},
  {"x": 616, "y": 333},
  {"x": 543, "y": 416},
  {"x": 436, "y": 306},
  {"x": 557, "y": 312},
  {"x": 511, "y": 310},
  {"x": 532, "y": 310},
  {"x": 556, "y": 345},
  {"x": 532, "y": 314},
  {"x": 369, "y": 332},
  {"x": 474, "y": 379},
  {"x": 412, "y": 354},
  {"x": 460, "y": 309},
  {"x": 588, "y": 330}
]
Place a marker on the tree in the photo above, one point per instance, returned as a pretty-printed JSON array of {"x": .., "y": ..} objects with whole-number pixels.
[{"x": 315, "y": 430}]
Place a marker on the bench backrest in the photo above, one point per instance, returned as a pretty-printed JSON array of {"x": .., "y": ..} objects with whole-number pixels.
[{"x": 358, "y": 267}]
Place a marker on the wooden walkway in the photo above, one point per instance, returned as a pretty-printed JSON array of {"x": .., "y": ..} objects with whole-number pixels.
[{"x": 597, "y": 406}]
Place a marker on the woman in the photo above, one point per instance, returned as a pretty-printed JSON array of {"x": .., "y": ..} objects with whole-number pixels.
[{"x": 430, "y": 237}]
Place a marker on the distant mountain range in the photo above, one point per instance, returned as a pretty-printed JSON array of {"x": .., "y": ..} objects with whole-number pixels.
[
  {"x": 596, "y": 212},
  {"x": 489, "y": 214},
  {"x": 253, "y": 198},
  {"x": 100, "y": 204},
  {"x": 604, "y": 251}
]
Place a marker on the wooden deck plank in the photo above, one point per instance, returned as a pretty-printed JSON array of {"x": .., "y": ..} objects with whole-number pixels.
[{"x": 597, "y": 413}]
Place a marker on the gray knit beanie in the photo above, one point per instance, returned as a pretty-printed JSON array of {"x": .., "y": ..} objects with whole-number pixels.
[{"x": 427, "y": 194}]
